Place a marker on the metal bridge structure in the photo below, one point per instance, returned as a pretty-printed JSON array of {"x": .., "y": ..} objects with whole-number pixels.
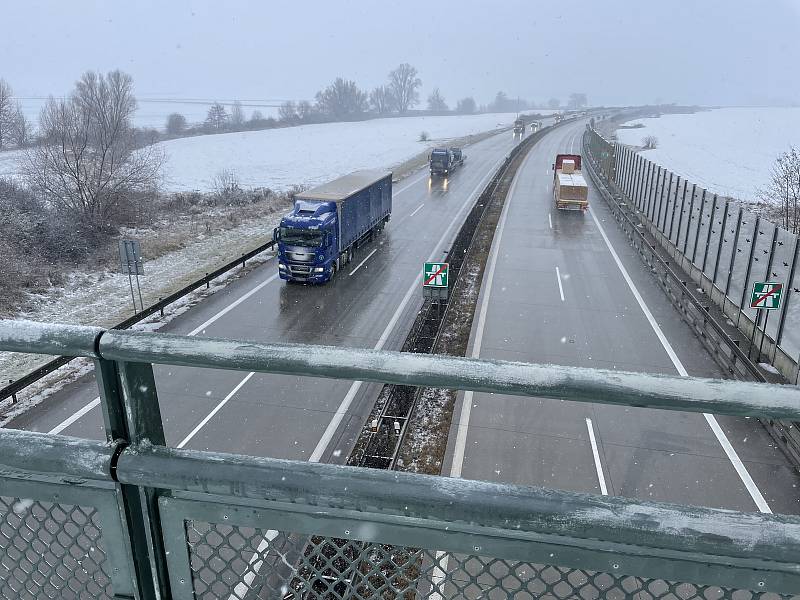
[{"x": 131, "y": 517}]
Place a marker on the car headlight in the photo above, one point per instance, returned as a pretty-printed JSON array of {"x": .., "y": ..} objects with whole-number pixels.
[
  {"x": 281, "y": 266},
  {"x": 319, "y": 269}
]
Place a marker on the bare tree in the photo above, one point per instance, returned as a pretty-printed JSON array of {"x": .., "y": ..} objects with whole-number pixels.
[
  {"x": 88, "y": 162},
  {"x": 305, "y": 110},
  {"x": 256, "y": 116},
  {"x": 217, "y": 117},
  {"x": 237, "y": 115},
  {"x": 380, "y": 99},
  {"x": 784, "y": 189},
  {"x": 7, "y": 112},
  {"x": 342, "y": 99},
  {"x": 404, "y": 85},
  {"x": 176, "y": 124},
  {"x": 466, "y": 106},
  {"x": 21, "y": 128},
  {"x": 553, "y": 103},
  {"x": 650, "y": 142},
  {"x": 436, "y": 101},
  {"x": 287, "y": 112}
]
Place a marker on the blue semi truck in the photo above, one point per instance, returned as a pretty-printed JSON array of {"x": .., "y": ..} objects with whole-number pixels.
[{"x": 329, "y": 222}]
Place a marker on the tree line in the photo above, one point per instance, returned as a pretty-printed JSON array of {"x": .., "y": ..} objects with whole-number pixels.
[{"x": 344, "y": 100}]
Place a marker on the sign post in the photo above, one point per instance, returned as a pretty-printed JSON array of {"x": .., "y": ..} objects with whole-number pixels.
[
  {"x": 130, "y": 262},
  {"x": 766, "y": 296}
]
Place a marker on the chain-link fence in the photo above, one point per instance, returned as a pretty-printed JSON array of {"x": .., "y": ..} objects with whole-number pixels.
[
  {"x": 245, "y": 563},
  {"x": 50, "y": 550}
]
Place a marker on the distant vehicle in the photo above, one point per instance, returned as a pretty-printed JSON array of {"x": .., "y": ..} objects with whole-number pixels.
[
  {"x": 329, "y": 222},
  {"x": 444, "y": 161},
  {"x": 519, "y": 127},
  {"x": 536, "y": 126},
  {"x": 570, "y": 191}
]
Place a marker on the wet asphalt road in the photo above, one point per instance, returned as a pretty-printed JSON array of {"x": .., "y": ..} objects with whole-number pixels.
[
  {"x": 558, "y": 296},
  {"x": 371, "y": 303},
  {"x": 591, "y": 319}
]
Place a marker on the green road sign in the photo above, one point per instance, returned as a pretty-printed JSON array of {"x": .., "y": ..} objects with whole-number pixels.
[
  {"x": 435, "y": 275},
  {"x": 766, "y": 295}
]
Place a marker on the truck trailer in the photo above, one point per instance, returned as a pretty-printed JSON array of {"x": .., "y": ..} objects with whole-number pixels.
[
  {"x": 329, "y": 222},
  {"x": 519, "y": 127},
  {"x": 570, "y": 191}
]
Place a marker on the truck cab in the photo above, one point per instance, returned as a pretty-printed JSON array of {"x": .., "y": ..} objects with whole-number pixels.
[
  {"x": 441, "y": 161},
  {"x": 307, "y": 242}
]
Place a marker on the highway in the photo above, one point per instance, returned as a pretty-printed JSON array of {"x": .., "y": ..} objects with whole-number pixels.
[
  {"x": 566, "y": 288},
  {"x": 560, "y": 288},
  {"x": 372, "y": 304}
]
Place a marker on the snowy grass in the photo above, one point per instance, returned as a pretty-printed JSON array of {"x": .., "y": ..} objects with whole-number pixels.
[
  {"x": 729, "y": 151},
  {"x": 312, "y": 154}
]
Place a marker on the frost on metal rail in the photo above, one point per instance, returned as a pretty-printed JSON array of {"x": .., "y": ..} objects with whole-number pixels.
[{"x": 134, "y": 518}]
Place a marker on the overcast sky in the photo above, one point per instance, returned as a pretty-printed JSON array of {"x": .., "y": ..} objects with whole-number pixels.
[{"x": 617, "y": 51}]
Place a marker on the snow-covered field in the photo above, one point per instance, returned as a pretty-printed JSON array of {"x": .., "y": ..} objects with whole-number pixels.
[
  {"x": 729, "y": 151},
  {"x": 311, "y": 154},
  {"x": 307, "y": 154}
]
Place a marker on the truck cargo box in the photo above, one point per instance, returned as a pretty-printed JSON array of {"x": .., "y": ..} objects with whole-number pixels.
[{"x": 362, "y": 198}]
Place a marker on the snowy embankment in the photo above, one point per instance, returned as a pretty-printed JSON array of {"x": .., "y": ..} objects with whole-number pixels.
[
  {"x": 312, "y": 154},
  {"x": 728, "y": 151}
]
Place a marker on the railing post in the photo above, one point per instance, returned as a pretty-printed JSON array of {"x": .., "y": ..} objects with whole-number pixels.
[
  {"x": 674, "y": 206},
  {"x": 767, "y": 277},
  {"x": 789, "y": 284},
  {"x": 721, "y": 240},
  {"x": 689, "y": 220},
  {"x": 734, "y": 251},
  {"x": 747, "y": 273},
  {"x": 131, "y": 415},
  {"x": 665, "y": 205},
  {"x": 680, "y": 218},
  {"x": 642, "y": 168},
  {"x": 710, "y": 230},
  {"x": 699, "y": 223},
  {"x": 652, "y": 181}
]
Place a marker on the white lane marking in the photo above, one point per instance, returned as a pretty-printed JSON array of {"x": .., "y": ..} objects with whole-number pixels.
[
  {"x": 600, "y": 477},
  {"x": 233, "y": 305},
  {"x": 361, "y": 264},
  {"x": 410, "y": 184},
  {"x": 550, "y": 220},
  {"x": 723, "y": 440},
  {"x": 560, "y": 287},
  {"x": 466, "y": 406},
  {"x": 416, "y": 210},
  {"x": 78, "y": 414},
  {"x": 216, "y": 409},
  {"x": 96, "y": 402},
  {"x": 340, "y": 413}
]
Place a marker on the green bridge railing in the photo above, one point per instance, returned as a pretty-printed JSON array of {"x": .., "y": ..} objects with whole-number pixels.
[{"x": 133, "y": 518}]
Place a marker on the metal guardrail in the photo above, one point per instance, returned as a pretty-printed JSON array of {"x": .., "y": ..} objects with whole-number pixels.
[
  {"x": 16, "y": 386},
  {"x": 133, "y": 518}
]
